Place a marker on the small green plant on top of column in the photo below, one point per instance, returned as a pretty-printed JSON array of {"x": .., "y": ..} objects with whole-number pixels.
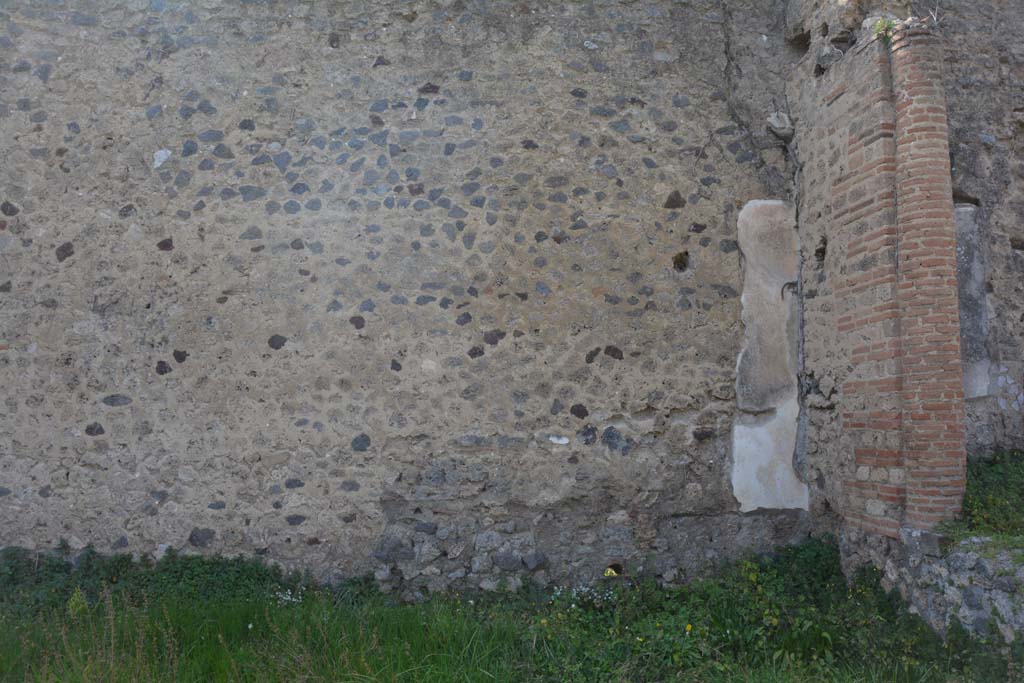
[{"x": 884, "y": 30}]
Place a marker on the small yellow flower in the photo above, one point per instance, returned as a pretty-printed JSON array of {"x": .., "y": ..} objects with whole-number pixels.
[
  {"x": 610, "y": 572},
  {"x": 543, "y": 622},
  {"x": 689, "y": 627}
]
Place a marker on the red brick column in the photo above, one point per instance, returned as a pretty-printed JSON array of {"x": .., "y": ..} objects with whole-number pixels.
[
  {"x": 863, "y": 216},
  {"x": 932, "y": 422}
]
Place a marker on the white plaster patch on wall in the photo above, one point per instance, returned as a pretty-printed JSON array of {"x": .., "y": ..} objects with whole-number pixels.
[
  {"x": 973, "y": 303},
  {"x": 764, "y": 434},
  {"x": 977, "y": 383},
  {"x": 762, "y": 472}
]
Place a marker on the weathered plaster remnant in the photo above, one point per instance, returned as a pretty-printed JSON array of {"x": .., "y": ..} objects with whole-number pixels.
[
  {"x": 985, "y": 384},
  {"x": 986, "y": 118},
  {"x": 764, "y": 436},
  {"x": 973, "y": 302}
]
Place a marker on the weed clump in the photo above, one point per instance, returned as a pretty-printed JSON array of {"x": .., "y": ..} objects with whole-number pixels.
[{"x": 994, "y": 498}]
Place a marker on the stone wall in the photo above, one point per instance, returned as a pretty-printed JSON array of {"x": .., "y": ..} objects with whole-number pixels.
[
  {"x": 972, "y": 584},
  {"x": 446, "y": 291},
  {"x": 465, "y": 292},
  {"x": 984, "y": 75}
]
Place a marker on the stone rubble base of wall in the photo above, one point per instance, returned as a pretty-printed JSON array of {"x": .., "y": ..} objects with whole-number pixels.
[{"x": 971, "y": 582}]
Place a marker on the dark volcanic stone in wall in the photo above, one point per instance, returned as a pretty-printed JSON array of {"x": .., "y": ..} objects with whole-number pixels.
[
  {"x": 65, "y": 251},
  {"x": 201, "y": 538},
  {"x": 369, "y": 247}
]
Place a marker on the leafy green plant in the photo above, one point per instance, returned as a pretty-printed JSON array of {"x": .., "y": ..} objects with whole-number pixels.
[
  {"x": 994, "y": 499},
  {"x": 77, "y": 604},
  {"x": 993, "y": 506},
  {"x": 884, "y": 29}
]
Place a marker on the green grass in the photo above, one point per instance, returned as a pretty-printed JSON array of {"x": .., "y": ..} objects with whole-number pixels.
[
  {"x": 791, "y": 617},
  {"x": 994, "y": 502}
]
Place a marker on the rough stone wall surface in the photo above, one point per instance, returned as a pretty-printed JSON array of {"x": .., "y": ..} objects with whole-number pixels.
[
  {"x": 448, "y": 291},
  {"x": 968, "y": 583},
  {"x": 984, "y": 74},
  {"x": 974, "y": 313}
]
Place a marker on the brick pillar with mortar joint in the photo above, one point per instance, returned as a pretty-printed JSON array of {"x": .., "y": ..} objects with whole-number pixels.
[{"x": 932, "y": 394}]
